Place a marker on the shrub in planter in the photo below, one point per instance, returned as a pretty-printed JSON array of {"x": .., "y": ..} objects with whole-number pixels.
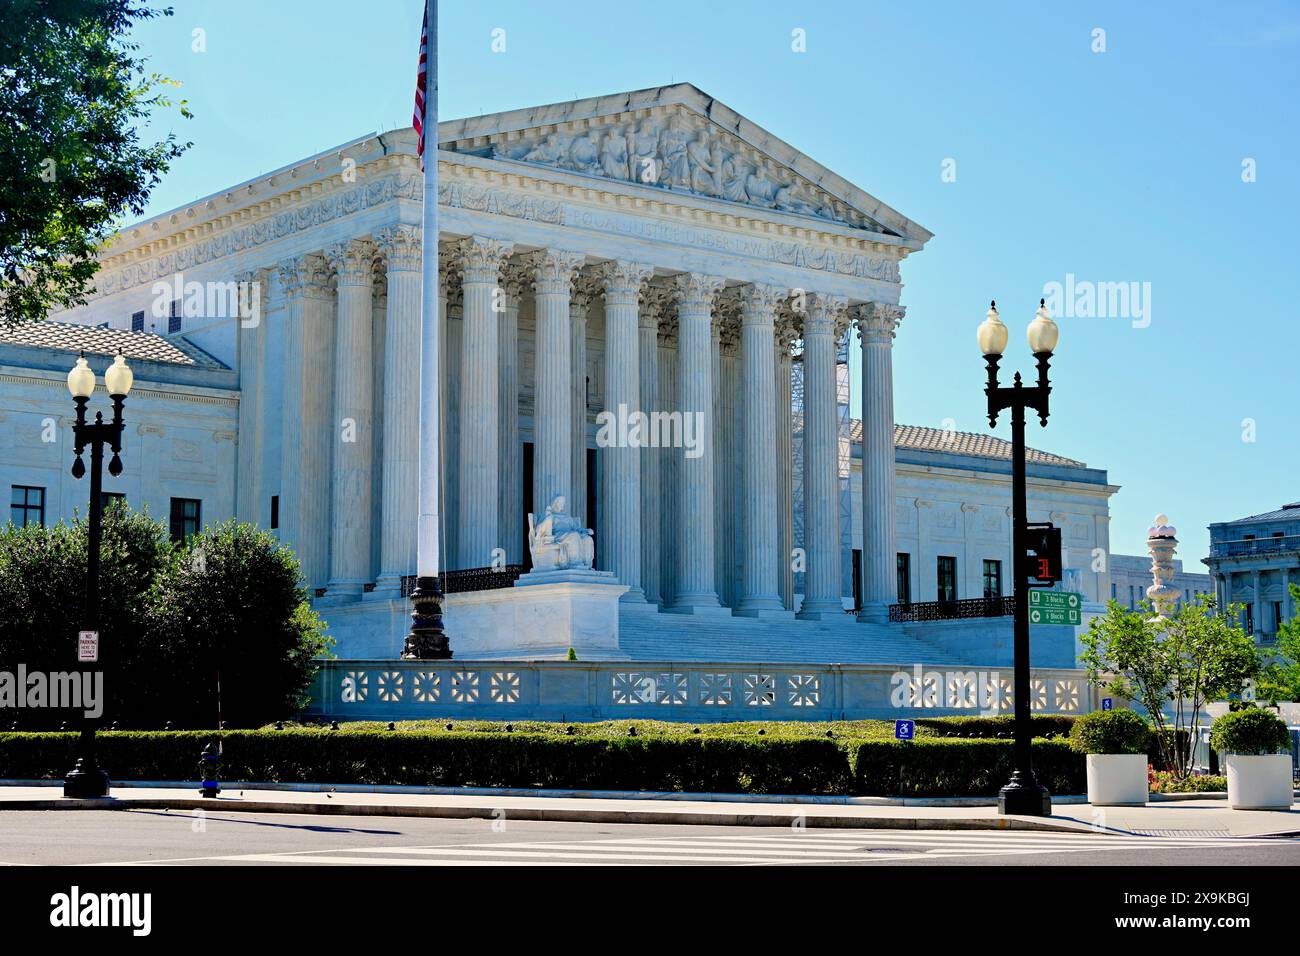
[
  {"x": 1259, "y": 773},
  {"x": 1111, "y": 732},
  {"x": 1116, "y": 743}
]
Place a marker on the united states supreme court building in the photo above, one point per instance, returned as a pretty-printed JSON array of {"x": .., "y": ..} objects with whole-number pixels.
[{"x": 648, "y": 307}]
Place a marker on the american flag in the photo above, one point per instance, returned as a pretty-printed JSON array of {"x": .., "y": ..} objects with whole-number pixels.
[{"x": 422, "y": 87}]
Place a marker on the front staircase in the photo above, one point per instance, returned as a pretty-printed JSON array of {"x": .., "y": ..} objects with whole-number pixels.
[{"x": 649, "y": 636}]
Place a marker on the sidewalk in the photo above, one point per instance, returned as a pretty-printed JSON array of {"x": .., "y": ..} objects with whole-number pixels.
[{"x": 1204, "y": 817}]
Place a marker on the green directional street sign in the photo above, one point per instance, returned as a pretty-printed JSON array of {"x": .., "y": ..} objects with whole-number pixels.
[{"x": 1055, "y": 607}]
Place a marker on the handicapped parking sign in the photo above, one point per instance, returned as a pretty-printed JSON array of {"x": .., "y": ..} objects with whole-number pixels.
[
  {"x": 1107, "y": 703},
  {"x": 904, "y": 729}
]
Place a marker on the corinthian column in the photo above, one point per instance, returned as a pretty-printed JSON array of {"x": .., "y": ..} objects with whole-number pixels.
[
  {"x": 479, "y": 472},
  {"x": 649, "y": 456},
  {"x": 399, "y": 491},
  {"x": 620, "y": 458},
  {"x": 784, "y": 443},
  {"x": 554, "y": 270},
  {"x": 585, "y": 290},
  {"x": 510, "y": 456},
  {"x": 877, "y": 323},
  {"x": 760, "y": 588},
  {"x": 353, "y": 421},
  {"x": 695, "y": 544},
  {"x": 822, "y": 584},
  {"x": 305, "y": 448}
]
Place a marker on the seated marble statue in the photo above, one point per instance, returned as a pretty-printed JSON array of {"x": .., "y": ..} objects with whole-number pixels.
[{"x": 557, "y": 542}]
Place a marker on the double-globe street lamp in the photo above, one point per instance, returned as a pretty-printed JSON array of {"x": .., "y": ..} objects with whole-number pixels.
[
  {"x": 1023, "y": 794},
  {"x": 86, "y": 779}
]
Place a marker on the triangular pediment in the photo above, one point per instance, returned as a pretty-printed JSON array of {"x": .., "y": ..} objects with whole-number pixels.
[{"x": 676, "y": 138}]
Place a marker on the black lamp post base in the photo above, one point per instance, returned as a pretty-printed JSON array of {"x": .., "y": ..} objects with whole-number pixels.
[
  {"x": 426, "y": 641},
  {"x": 85, "y": 782},
  {"x": 1024, "y": 797}
]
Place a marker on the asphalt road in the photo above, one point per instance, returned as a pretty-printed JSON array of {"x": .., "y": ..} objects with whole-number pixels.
[{"x": 184, "y": 838}]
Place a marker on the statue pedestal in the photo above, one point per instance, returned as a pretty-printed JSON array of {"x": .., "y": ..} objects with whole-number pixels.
[{"x": 556, "y": 610}]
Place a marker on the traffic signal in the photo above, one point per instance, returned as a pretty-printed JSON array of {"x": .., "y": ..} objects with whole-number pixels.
[{"x": 1043, "y": 554}]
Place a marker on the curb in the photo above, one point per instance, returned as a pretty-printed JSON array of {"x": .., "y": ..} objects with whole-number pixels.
[{"x": 553, "y": 814}]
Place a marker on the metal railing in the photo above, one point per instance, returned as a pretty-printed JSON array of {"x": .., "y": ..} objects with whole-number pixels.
[
  {"x": 952, "y": 610},
  {"x": 471, "y": 579},
  {"x": 1241, "y": 546}
]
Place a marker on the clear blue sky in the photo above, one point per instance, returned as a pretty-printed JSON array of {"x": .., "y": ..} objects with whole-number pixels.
[{"x": 1121, "y": 166}]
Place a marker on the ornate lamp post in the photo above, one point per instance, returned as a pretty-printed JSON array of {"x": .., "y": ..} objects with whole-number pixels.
[
  {"x": 1023, "y": 794},
  {"x": 1162, "y": 542},
  {"x": 86, "y": 779}
]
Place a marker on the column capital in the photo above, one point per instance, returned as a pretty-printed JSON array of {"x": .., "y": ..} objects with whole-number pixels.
[
  {"x": 825, "y": 313},
  {"x": 877, "y": 322},
  {"x": 516, "y": 277},
  {"x": 758, "y": 303},
  {"x": 656, "y": 303},
  {"x": 586, "y": 287},
  {"x": 622, "y": 281},
  {"x": 695, "y": 292},
  {"x": 554, "y": 269},
  {"x": 307, "y": 276},
  {"x": 353, "y": 262},
  {"x": 401, "y": 246},
  {"x": 481, "y": 258}
]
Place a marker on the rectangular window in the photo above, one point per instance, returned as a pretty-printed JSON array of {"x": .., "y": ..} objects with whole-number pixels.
[
  {"x": 1277, "y": 616},
  {"x": 27, "y": 506},
  {"x": 186, "y": 518},
  {"x": 275, "y": 512},
  {"x": 137, "y": 321},
  {"x": 992, "y": 579},
  {"x": 1248, "y": 619},
  {"x": 903, "y": 563},
  {"x": 106, "y": 498},
  {"x": 947, "y": 573},
  {"x": 1114, "y": 591},
  {"x": 174, "y": 318}
]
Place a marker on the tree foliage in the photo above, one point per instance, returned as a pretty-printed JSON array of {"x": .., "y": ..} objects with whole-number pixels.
[
  {"x": 1281, "y": 678},
  {"x": 1172, "y": 666},
  {"x": 173, "y": 617},
  {"x": 74, "y": 91}
]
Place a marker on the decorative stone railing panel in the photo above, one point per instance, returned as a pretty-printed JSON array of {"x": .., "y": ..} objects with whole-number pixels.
[{"x": 565, "y": 690}]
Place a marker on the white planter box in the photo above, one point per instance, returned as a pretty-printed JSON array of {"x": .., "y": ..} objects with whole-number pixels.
[
  {"x": 1117, "y": 780},
  {"x": 1259, "y": 783}
]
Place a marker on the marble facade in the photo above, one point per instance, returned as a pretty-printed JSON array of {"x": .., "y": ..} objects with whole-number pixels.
[{"x": 650, "y": 251}]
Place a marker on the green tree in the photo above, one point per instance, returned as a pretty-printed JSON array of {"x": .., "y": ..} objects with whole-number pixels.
[
  {"x": 1281, "y": 678},
  {"x": 73, "y": 93},
  {"x": 1172, "y": 666},
  {"x": 42, "y": 589},
  {"x": 233, "y": 608}
]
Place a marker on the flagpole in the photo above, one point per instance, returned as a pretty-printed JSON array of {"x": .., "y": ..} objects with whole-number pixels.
[{"x": 427, "y": 641}]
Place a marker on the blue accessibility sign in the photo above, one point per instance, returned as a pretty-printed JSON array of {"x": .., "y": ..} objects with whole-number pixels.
[
  {"x": 904, "y": 729},
  {"x": 1107, "y": 703}
]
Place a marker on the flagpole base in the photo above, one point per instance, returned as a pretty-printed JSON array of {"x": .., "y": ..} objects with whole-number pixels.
[{"x": 427, "y": 641}]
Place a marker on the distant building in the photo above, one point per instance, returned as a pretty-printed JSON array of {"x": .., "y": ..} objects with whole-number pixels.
[
  {"x": 1252, "y": 562},
  {"x": 1130, "y": 576}
]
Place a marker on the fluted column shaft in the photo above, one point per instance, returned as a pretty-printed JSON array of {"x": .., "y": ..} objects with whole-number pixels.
[
  {"x": 760, "y": 474},
  {"x": 353, "y": 421},
  {"x": 822, "y": 583},
  {"x": 649, "y": 455},
  {"x": 621, "y": 521},
  {"x": 305, "y": 449},
  {"x": 554, "y": 271},
  {"x": 579, "y": 309},
  {"x": 784, "y": 443},
  {"x": 876, "y": 326},
  {"x": 695, "y": 531},
  {"x": 510, "y": 456},
  {"x": 478, "y": 465},
  {"x": 400, "y": 489}
]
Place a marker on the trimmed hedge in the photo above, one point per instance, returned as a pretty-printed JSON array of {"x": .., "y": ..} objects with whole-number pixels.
[
  {"x": 959, "y": 768},
  {"x": 1041, "y": 725},
  {"x": 699, "y": 763}
]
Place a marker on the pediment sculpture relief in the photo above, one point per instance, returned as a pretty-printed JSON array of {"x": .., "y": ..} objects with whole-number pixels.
[{"x": 673, "y": 153}]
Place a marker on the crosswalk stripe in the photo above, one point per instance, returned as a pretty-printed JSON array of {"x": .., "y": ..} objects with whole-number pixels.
[{"x": 619, "y": 849}]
